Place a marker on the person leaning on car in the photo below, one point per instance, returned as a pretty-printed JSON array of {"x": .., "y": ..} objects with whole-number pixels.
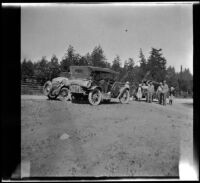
[{"x": 104, "y": 85}]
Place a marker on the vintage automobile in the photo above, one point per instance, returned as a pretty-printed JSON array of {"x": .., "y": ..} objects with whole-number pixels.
[
  {"x": 96, "y": 84},
  {"x": 58, "y": 87}
]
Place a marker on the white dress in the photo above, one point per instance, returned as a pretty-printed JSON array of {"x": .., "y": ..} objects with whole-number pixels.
[{"x": 139, "y": 93}]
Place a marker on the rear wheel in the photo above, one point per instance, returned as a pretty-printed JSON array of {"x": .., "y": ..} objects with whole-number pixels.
[
  {"x": 124, "y": 99},
  {"x": 94, "y": 97}
]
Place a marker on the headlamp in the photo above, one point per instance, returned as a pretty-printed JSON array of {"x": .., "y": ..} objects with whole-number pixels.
[{"x": 89, "y": 84}]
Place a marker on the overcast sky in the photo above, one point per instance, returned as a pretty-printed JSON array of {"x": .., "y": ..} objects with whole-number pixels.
[{"x": 48, "y": 30}]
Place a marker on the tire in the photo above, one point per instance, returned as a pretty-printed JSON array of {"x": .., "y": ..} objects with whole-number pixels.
[
  {"x": 94, "y": 97},
  {"x": 125, "y": 97},
  {"x": 47, "y": 88},
  {"x": 64, "y": 94},
  {"x": 52, "y": 97}
]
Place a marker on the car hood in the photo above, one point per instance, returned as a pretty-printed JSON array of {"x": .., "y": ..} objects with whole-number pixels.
[
  {"x": 80, "y": 82},
  {"x": 59, "y": 79}
]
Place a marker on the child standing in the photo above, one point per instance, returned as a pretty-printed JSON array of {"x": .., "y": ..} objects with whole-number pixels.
[{"x": 171, "y": 95}]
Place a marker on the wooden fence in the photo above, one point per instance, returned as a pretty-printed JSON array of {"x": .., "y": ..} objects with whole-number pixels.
[{"x": 31, "y": 88}]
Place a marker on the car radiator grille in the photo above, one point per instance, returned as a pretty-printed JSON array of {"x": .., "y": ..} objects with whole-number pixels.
[{"x": 76, "y": 89}]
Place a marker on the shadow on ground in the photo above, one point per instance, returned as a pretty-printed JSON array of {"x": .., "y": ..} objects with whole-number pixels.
[{"x": 190, "y": 105}]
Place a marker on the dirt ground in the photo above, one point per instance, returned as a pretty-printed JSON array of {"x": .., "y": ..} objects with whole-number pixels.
[{"x": 112, "y": 139}]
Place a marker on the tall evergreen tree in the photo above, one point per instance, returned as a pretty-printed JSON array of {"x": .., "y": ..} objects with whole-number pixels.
[
  {"x": 143, "y": 66},
  {"x": 185, "y": 80},
  {"x": 171, "y": 77},
  {"x": 97, "y": 57},
  {"x": 41, "y": 70},
  {"x": 54, "y": 67},
  {"x": 131, "y": 64},
  {"x": 70, "y": 58},
  {"x": 27, "y": 69},
  {"x": 156, "y": 65},
  {"x": 128, "y": 70},
  {"x": 116, "y": 64}
]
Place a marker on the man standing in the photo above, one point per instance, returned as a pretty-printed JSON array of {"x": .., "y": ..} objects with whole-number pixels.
[
  {"x": 159, "y": 93},
  {"x": 165, "y": 91},
  {"x": 151, "y": 91}
]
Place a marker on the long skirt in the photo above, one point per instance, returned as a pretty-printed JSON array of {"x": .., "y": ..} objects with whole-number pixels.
[{"x": 139, "y": 95}]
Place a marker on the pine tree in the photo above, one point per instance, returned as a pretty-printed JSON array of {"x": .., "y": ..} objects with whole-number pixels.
[
  {"x": 98, "y": 58},
  {"x": 143, "y": 66},
  {"x": 156, "y": 65},
  {"x": 27, "y": 69},
  {"x": 41, "y": 70},
  {"x": 70, "y": 58},
  {"x": 116, "y": 64},
  {"x": 54, "y": 67},
  {"x": 171, "y": 77}
]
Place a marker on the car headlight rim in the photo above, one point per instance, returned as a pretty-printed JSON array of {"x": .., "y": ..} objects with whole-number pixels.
[{"x": 88, "y": 84}]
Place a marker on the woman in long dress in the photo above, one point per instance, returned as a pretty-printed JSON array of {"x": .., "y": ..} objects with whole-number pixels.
[{"x": 139, "y": 92}]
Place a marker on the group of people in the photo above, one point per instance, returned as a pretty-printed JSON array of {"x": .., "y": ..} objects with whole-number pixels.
[{"x": 162, "y": 92}]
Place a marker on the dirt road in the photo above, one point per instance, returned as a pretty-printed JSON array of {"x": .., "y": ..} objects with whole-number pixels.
[{"x": 135, "y": 139}]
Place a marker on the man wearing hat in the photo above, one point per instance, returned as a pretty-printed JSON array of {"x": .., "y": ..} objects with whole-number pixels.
[
  {"x": 149, "y": 92},
  {"x": 159, "y": 93},
  {"x": 165, "y": 91}
]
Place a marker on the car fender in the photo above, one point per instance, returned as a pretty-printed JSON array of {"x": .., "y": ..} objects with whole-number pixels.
[
  {"x": 95, "y": 87},
  {"x": 65, "y": 83},
  {"x": 44, "y": 86},
  {"x": 122, "y": 90}
]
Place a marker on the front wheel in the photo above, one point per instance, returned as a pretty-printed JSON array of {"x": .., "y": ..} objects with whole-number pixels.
[
  {"x": 47, "y": 88},
  {"x": 64, "y": 94},
  {"x": 124, "y": 99},
  {"x": 52, "y": 97},
  {"x": 94, "y": 97}
]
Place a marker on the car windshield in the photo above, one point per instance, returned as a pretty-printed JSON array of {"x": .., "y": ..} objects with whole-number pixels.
[
  {"x": 103, "y": 75},
  {"x": 80, "y": 72},
  {"x": 84, "y": 72}
]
